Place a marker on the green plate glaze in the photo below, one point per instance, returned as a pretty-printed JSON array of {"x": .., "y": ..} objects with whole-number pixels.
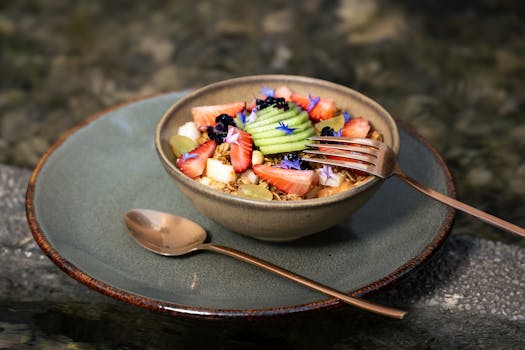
[{"x": 84, "y": 184}]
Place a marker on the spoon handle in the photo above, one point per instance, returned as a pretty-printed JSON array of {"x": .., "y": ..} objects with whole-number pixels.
[{"x": 382, "y": 310}]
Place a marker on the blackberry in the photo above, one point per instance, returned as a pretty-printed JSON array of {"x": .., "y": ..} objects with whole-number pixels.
[
  {"x": 260, "y": 103},
  {"x": 225, "y": 120},
  {"x": 215, "y": 134},
  {"x": 304, "y": 165},
  {"x": 269, "y": 101},
  {"x": 220, "y": 127},
  {"x": 292, "y": 156},
  {"x": 220, "y": 130},
  {"x": 327, "y": 131}
]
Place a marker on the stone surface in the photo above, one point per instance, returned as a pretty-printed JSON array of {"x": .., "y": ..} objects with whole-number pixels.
[{"x": 470, "y": 295}]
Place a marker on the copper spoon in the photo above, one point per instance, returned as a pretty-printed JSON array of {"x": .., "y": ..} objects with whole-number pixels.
[{"x": 171, "y": 235}]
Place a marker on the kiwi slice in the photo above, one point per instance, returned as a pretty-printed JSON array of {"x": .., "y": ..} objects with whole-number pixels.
[
  {"x": 273, "y": 111},
  {"x": 273, "y": 119},
  {"x": 274, "y": 132},
  {"x": 285, "y": 139},
  {"x": 292, "y": 122},
  {"x": 270, "y": 138},
  {"x": 285, "y": 147}
]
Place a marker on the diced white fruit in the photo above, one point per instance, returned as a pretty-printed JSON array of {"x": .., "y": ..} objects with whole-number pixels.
[
  {"x": 205, "y": 180},
  {"x": 219, "y": 171},
  {"x": 257, "y": 157},
  {"x": 335, "y": 180},
  {"x": 190, "y": 130},
  {"x": 250, "y": 176}
]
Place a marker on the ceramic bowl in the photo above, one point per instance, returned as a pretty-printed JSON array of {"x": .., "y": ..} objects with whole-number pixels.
[{"x": 272, "y": 220}]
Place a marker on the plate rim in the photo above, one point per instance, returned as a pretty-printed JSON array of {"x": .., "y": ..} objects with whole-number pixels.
[{"x": 211, "y": 313}]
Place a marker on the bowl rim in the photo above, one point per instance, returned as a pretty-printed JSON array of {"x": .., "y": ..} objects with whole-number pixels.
[{"x": 270, "y": 205}]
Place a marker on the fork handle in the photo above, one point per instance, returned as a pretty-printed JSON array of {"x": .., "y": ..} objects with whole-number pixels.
[{"x": 483, "y": 216}]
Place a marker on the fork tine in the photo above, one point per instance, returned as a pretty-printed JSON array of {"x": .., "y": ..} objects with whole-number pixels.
[
  {"x": 355, "y": 156},
  {"x": 352, "y": 140},
  {"x": 361, "y": 149},
  {"x": 341, "y": 163},
  {"x": 362, "y": 154}
]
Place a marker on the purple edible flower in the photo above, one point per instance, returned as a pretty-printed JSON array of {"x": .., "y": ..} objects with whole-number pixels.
[
  {"x": 290, "y": 164},
  {"x": 313, "y": 102},
  {"x": 187, "y": 155},
  {"x": 327, "y": 172},
  {"x": 252, "y": 116},
  {"x": 267, "y": 91},
  {"x": 347, "y": 117},
  {"x": 339, "y": 133},
  {"x": 232, "y": 136},
  {"x": 285, "y": 128},
  {"x": 242, "y": 117}
]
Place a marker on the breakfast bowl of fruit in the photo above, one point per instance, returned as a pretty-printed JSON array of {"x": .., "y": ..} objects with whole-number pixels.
[{"x": 235, "y": 150}]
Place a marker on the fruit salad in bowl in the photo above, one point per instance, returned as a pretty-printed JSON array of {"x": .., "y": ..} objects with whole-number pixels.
[
  {"x": 234, "y": 149},
  {"x": 253, "y": 149}
]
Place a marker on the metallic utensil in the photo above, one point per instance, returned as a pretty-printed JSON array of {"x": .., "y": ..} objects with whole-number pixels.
[
  {"x": 171, "y": 235},
  {"x": 376, "y": 158}
]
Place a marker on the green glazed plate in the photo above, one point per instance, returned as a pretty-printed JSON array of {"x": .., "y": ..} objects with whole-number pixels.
[{"x": 91, "y": 176}]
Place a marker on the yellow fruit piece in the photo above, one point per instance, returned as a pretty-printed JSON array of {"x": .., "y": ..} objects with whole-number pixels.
[{"x": 335, "y": 123}]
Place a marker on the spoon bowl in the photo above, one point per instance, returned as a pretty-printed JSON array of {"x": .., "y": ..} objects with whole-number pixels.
[
  {"x": 172, "y": 235},
  {"x": 162, "y": 233}
]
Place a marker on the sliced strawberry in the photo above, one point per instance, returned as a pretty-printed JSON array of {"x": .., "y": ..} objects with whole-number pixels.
[
  {"x": 284, "y": 92},
  {"x": 357, "y": 127},
  {"x": 289, "y": 181},
  {"x": 300, "y": 100},
  {"x": 324, "y": 109},
  {"x": 193, "y": 163},
  {"x": 205, "y": 115},
  {"x": 241, "y": 150},
  {"x": 251, "y": 106}
]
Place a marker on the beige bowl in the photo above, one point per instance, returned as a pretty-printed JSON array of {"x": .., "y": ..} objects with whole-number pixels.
[{"x": 272, "y": 220}]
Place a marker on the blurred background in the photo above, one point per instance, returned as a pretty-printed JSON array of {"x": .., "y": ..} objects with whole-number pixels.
[{"x": 454, "y": 70}]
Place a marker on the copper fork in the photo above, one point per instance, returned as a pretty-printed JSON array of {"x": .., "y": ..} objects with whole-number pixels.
[{"x": 377, "y": 158}]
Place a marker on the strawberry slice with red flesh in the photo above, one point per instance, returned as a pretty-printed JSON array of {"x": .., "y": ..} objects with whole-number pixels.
[
  {"x": 290, "y": 181},
  {"x": 357, "y": 127},
  {"x": 205, "y": 116},
  {"x": 241, "y": 150},
  {"x": 325, "y": 108},
  {"x": 284, "y": 92},
  {"x": 193, "y": 163},
  {"x": 251, "y": 106}
]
